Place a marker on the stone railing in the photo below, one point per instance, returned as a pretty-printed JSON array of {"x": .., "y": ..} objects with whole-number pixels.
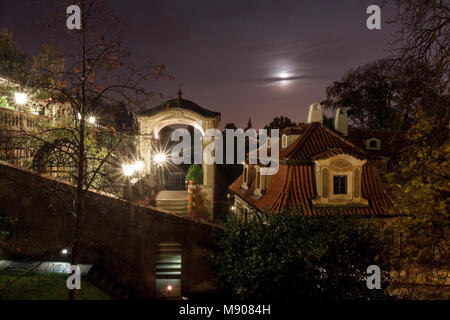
[{"x": 18, "y": 120}]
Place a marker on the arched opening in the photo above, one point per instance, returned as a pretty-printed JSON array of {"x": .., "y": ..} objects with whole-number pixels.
[
  {"x": 155, "y": 127},
  {"x": 373, "y": 144},
  {"x": 168, "y": 269},
  {"x": 165, "y": 160},
  {"x": 177, "y": 121},
  {"x": 56, "y": 159}
]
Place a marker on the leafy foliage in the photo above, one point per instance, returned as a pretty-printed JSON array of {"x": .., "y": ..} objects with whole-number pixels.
[
  {"x": 12, "y": 61},
  {"x": 46, "y": 69},
  {"x": 280, "y": 123},
  {"x": 195, "y": 173},
  {"x": 421, "y": 189},
  {"x": 384, "y": 95},
  {"x": 295, "y": 256},
  {"x": 4, "y": 103}
]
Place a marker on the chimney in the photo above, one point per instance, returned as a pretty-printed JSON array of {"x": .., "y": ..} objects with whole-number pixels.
[
  {"x": 315, "y": 113},
  {"x": 341, "y": 121}
]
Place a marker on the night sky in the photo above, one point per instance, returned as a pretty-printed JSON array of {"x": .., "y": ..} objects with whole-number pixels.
[{"x": 230, "y": 55}]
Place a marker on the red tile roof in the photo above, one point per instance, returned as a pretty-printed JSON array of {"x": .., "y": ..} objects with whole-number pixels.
[
  {"x": 294, "y": 184},
  {"x": 316, "y": 139},
  {"x": 294, "y": 187}
]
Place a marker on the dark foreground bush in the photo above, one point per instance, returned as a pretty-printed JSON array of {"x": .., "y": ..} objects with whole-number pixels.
[{"x": 295, "y": 256}]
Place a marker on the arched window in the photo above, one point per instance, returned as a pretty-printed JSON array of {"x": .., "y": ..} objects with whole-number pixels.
[
  {"x": 168, "y": 269},
  {"x": 373, "y": 144}
]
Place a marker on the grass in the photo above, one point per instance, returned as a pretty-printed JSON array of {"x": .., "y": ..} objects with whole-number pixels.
[{"x": 44, "y": 286}]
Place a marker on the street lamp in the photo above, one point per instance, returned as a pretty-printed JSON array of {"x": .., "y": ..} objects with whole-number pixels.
[
  {"x": 160, "y": 158},
  {"x": 128, "y": 169},
  {"x": 139, "y": 165},
  {"x": 21, "y": 97},
  {"x": 91, "y": 120}
]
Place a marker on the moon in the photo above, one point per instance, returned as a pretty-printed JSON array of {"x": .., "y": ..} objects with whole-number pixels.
[{"x": 283, "y": 75}]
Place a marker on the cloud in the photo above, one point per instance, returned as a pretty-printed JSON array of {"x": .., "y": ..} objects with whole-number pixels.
[{"x": 279, "y": 79}]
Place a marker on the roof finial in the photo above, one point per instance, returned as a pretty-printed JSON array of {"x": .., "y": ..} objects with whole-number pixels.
[{"x": 180, "y": 93}]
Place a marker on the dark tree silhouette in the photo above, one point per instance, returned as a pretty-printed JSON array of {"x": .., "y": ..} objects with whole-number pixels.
[{"x": 280, "y": 123}]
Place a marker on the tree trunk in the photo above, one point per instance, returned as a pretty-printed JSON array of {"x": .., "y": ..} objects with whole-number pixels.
[
  {"x": 79, "y": 198},
  {"x": 79, "y": 206}
]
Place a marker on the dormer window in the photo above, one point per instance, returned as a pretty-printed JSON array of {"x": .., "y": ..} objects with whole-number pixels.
[
  {"x": 338, "y": 181},
  {"x": 373, "y": 144},
  {"x": 262, "y": 182},
  {"x": 247, "y": 176}
]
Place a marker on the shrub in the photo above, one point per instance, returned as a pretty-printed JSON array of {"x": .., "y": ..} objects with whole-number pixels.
[
  {"x": 295, "y": 256},
  {"x": 4, "y": 104},
  {"x": 195, "y": 173}
]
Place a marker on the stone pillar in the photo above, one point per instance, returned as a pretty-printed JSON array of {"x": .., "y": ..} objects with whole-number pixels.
[
  {"x": 207, "y": 189},
  {"x": 145, "y": 151}
]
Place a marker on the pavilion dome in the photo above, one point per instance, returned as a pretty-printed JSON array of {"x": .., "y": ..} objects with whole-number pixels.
[{"x": 180, "y": 103}]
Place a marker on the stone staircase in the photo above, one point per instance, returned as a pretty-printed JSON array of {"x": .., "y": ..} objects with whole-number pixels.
[{"x": 172, "y": 200}]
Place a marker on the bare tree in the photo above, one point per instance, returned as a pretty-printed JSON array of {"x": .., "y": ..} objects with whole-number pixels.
[
  {"x": 98, "y": 71},
  {"x": 425, "y": 29}
]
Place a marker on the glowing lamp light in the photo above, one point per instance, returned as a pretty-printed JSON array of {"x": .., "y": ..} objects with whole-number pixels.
[
  {"x": 160, "y": 158},
  {"x": 21, "y": 97},
  {"x": 79, "y": 116},
  {"x": 233, "y": 208},
  {"x": 64, "y": 251},
  {"x": 128, "y": 169},
  {"x": 139, "y": 165},
  {"x": 169, "y": 287},
  {"x": 91, "y": 120}
]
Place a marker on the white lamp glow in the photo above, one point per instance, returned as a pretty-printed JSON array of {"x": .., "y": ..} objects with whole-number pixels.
[
  {"x": 21, "y": 97},
  {"x": 160, "y": 158},
  {"x": 91, "y": 120},
  {"x": 139, "y": 165},
  {"x": 128, "y": 169}
]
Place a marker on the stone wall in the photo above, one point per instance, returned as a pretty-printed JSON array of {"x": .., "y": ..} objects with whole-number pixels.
[{"x": 118, "y": 235}]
